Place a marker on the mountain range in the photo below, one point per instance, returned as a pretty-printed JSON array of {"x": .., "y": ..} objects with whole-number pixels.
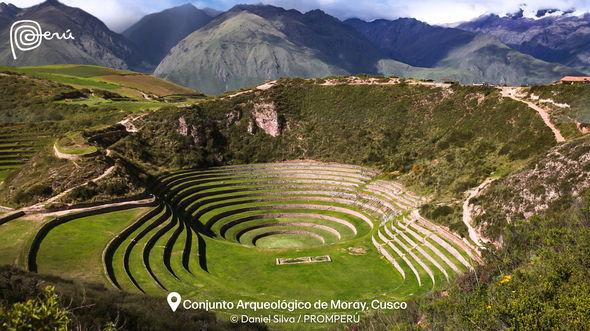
[
  {"x": 249, "y": 44},
  {"x": 562, "y": 39}
]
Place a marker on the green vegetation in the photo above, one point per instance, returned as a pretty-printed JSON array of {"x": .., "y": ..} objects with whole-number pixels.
[
  {"x": 211, "y": 227},
  {"x": 225, "y": 207},
  {"x": 127, "y": 83},
  {"x": 43, "y": 313},
  {"x": 576, "y": 96},
  {"x": 16, "y": 235},
  {"x": 74, "y": 144},
  {"x": 36, "y": 113},
  {"x": 75, "y": 249},
  {"x": 539, "y": 280},
  {"x": 441, "y": 141},
  {"x": 91, "y": 307}
]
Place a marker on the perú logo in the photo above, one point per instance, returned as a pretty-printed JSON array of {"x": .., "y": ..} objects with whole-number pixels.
[{"x": 26, "y": 35}]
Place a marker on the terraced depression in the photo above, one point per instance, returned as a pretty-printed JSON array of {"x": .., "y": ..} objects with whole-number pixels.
[
  {"x": 294, "y": 230},
  {"x": 298, "y": 230},
  {"x": 262, "y": 232}
]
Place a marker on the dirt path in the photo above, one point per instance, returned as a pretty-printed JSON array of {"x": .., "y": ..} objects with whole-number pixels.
[
  {"x": 468, "y": 210},
  {"x": 40, "y": 215},
  {"x": 6, "y": 209},
  {"x": 512, "y": 93},
  {"x": 130, "y": 127},
  {"x": 42, "y": 205},
  {"x": 64, "y": 156}
]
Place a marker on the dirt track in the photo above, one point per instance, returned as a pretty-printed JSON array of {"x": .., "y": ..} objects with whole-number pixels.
[{"x": 512, "y": 93}]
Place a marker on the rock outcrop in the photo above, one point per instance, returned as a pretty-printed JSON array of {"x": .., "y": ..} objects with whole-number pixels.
[
  {"x": 266, "y": 118},
  {"x": 187, "y": 130}
]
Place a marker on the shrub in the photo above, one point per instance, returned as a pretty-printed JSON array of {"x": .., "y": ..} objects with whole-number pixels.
[{"x": 43, "y": 313}]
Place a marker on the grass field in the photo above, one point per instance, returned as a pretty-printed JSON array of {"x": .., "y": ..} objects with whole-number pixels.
[
  {"x": 74, "y": 249},
  {"x": 126, "y": 83},
  {"x": 15, "y": 237}
]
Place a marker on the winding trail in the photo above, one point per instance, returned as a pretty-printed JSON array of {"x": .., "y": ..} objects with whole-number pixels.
[
  {"x": 468, "y": 210},
  {"x": 39, "y": 215},
  {"x": 41, "y": 205},
  {"x": 512, "y": 93}
]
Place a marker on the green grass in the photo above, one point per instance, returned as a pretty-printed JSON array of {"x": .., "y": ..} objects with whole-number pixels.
[
  {"x": 74, "y": 249},
  {"x": 288, "y": 241},
  {"x": 63, "y": 78},
  {"x": 124, "y": 82},
  {"x": 15, "y": 236},
  {"x": 74, "y": 144}
]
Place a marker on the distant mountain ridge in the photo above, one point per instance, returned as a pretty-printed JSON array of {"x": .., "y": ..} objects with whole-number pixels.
[
  {"x": 561, "y": 38},
  {"x": 250, "y": 44},
  {"x": 94, "y": 42},
  {"x": 157, "y": 33},
  {"x": 411, "y": 41},
  {"x": 253, "y": 43}
]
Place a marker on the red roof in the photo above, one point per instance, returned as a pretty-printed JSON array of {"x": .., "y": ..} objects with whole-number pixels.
[{"x": 576, "y": 79}]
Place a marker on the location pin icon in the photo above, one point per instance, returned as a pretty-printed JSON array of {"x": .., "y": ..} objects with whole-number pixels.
[{"x": 174, "y": 300}]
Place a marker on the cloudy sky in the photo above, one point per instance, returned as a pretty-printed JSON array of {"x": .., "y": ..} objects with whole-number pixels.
[{"x": 119, "y": 14}]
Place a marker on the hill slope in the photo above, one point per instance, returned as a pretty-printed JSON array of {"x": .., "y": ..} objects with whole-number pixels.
[{"x": 410, "y": 41}]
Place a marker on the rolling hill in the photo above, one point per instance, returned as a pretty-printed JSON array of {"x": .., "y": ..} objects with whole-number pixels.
[{"x": 373, "y": 187}]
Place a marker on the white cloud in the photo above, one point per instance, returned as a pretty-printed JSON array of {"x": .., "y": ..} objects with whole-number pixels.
[
  {"x": 117, "y": 14},
  {"x": 431, "y": 11}
]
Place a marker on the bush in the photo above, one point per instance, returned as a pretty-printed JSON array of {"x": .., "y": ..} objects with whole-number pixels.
[{"x": 43, "y": 313}]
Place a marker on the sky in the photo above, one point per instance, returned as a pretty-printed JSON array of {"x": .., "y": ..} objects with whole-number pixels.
[{"x": 119, "y": 14}]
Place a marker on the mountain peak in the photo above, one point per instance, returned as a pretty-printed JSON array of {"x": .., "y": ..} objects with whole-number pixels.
[
  {"x": 186, "y": 5},
  {"x": 51, "y": 3},
  {"x": 8, "y": 8}
]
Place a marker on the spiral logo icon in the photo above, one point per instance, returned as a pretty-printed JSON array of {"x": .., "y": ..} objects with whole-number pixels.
[{"x": 27, "y": 35}]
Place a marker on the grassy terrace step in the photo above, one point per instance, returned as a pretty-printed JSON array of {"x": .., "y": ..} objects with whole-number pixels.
[
  {"x": 419, "y": 262},
  {"x": 11, "y": 163},
  {"x": 345, "y": 228},
  {"x": 184, "y": 176},
  {"x": 74, "y": 249},
  {"x": 265, "y": 224},
  {"x": 192, "y": 199},
  {"x": 212, "y": 183}
]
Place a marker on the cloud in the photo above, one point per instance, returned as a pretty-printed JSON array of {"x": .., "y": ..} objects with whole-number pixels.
[
  {"x": 431, "y": 11},
  {"x": 119, "y": 14}
]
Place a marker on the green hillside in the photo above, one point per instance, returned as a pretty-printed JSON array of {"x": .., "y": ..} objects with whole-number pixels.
[{"x": 126, "y": 83}]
